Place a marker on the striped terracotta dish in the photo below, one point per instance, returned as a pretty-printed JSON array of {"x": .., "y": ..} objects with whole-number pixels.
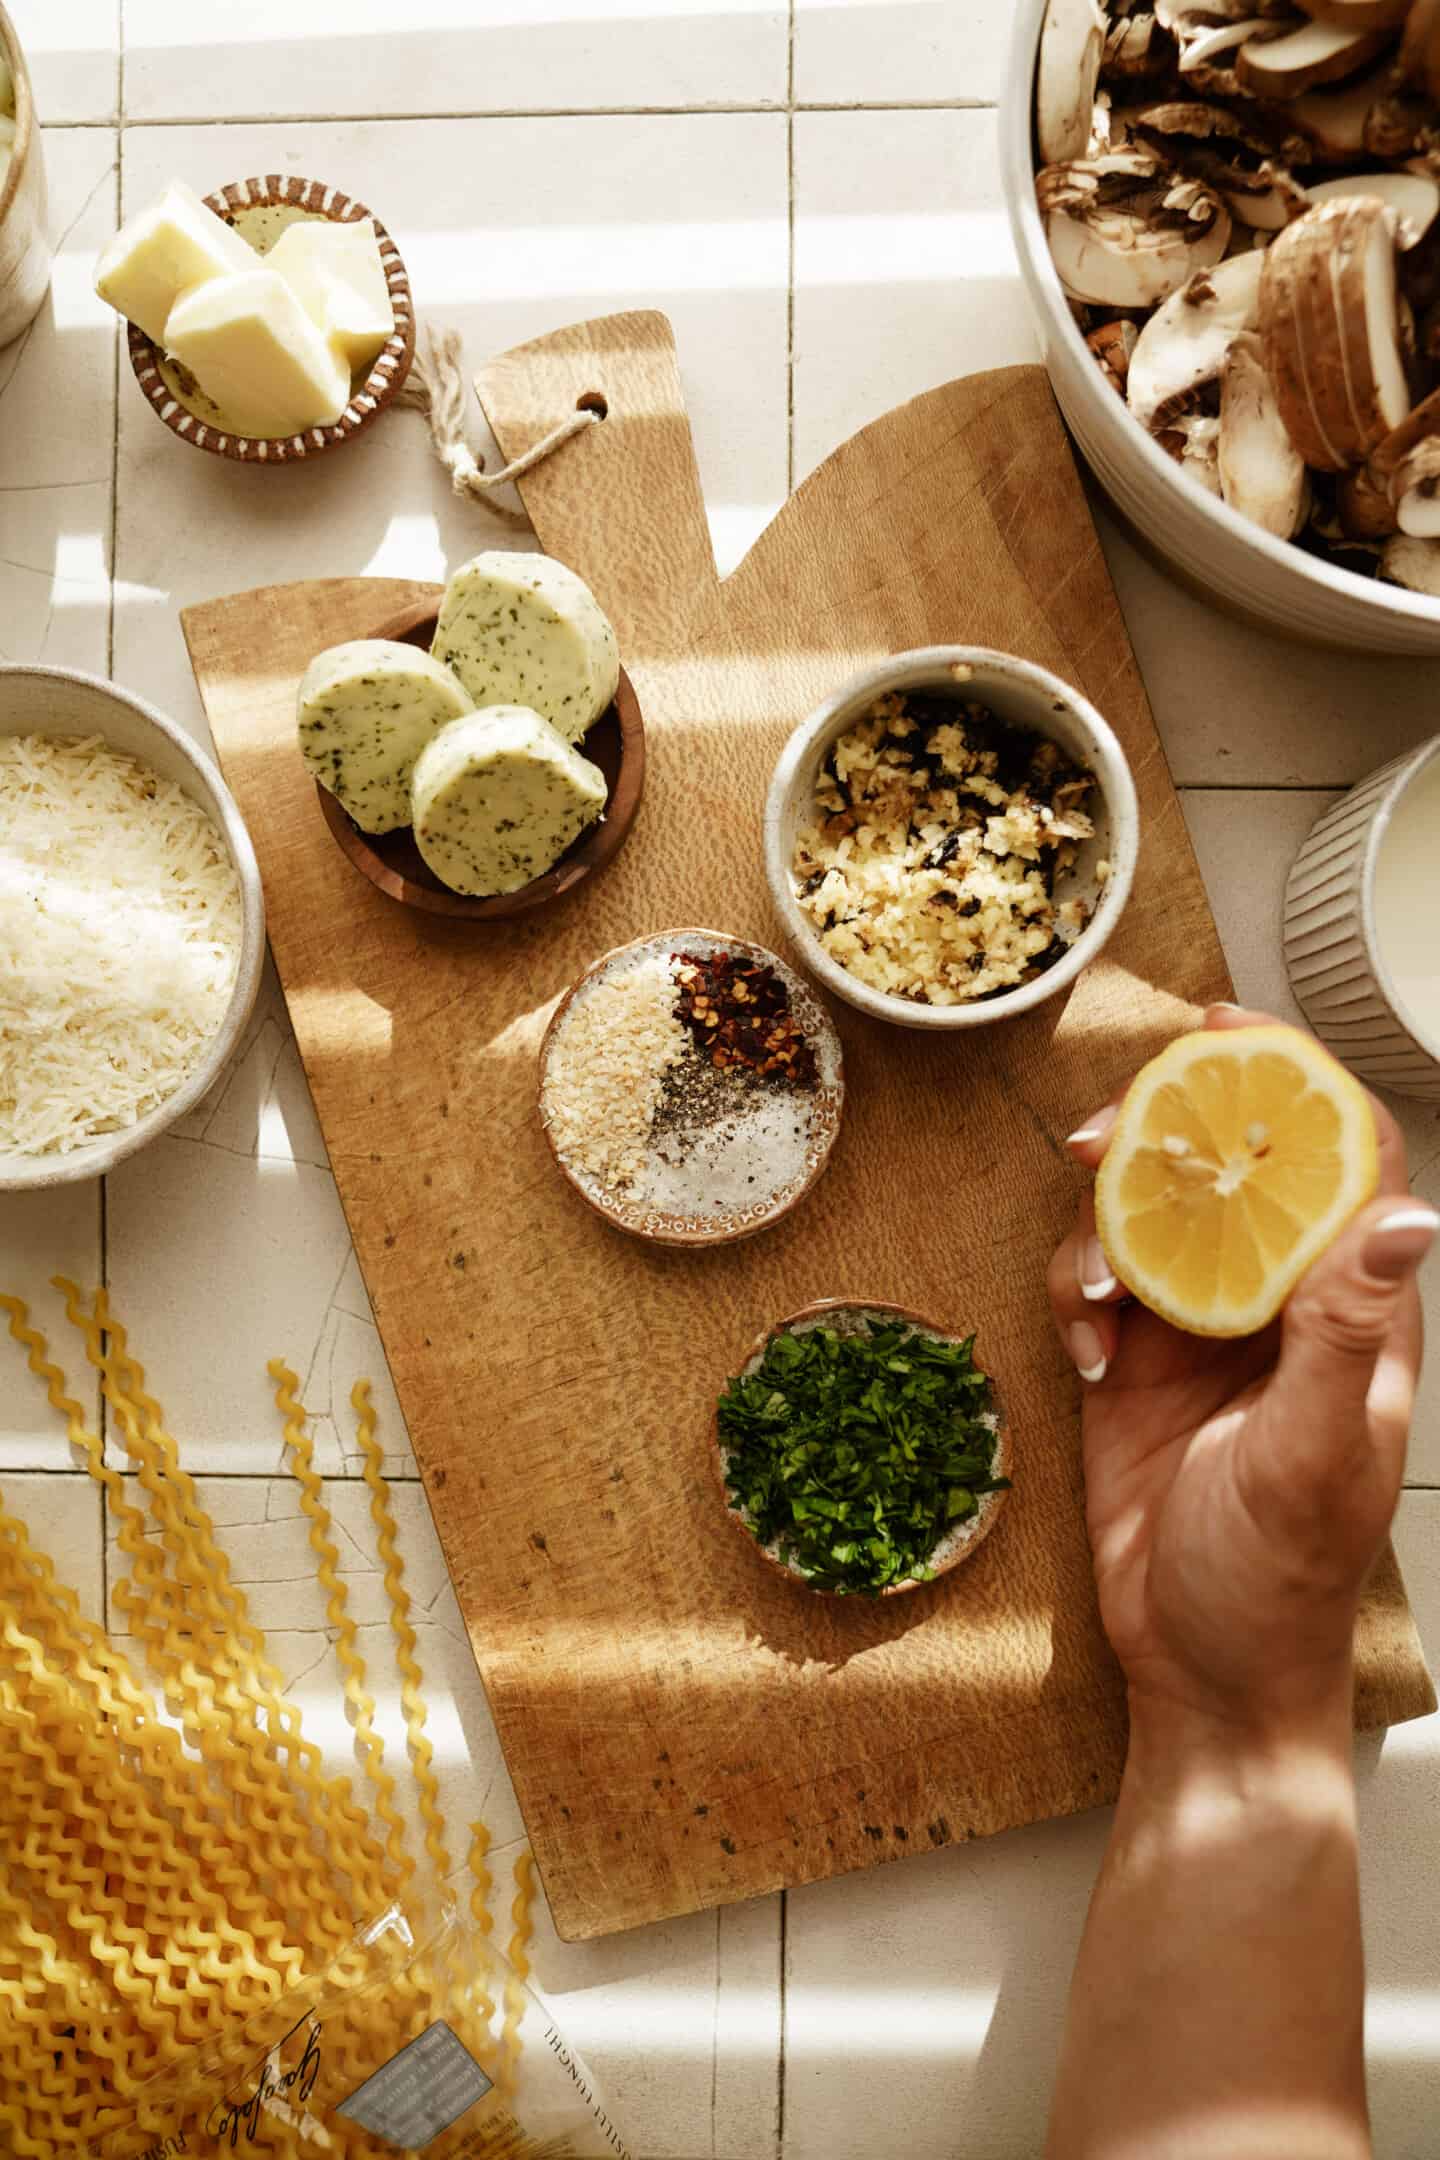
[
  {"x": 1337, "y": 971},
  {"x": 260, "y": 209}
]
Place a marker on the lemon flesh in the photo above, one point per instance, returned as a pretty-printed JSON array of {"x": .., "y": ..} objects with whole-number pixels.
[{"x": 1238, "y": 1157}]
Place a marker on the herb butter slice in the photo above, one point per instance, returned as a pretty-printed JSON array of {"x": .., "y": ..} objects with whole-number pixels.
[
  {"x": 498, "y": 797},
  {"x": 366, "y": 710},
  {"x": 524, "y": 630}
]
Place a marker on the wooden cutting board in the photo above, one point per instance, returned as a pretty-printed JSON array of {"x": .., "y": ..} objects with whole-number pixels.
[{"x": 682, "y": 1726}]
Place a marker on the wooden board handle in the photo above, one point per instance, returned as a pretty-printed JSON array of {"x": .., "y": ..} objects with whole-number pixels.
[{"x": 621, "y": 504}]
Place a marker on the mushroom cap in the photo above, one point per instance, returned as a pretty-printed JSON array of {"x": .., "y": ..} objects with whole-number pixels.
[{"x": 1330, "y": 321}]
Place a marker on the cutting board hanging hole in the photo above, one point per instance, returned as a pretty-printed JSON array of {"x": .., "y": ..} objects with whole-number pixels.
[{"x": 436, "y": 387}]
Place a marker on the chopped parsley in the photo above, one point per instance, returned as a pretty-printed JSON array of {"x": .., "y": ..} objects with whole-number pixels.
[{"x": 852, "y": 1455}]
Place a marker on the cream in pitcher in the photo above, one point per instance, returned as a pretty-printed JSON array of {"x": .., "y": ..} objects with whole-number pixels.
[{"x": 1407, "y": 902}]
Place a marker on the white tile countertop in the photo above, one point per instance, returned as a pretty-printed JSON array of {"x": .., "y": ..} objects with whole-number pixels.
[{"x": 808, "y": 188}]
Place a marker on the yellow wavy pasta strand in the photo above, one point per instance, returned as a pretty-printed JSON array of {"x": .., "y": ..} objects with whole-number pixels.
[
  {"x": 337, "y": 1612},
  {"x": 412, "y": 1700}
]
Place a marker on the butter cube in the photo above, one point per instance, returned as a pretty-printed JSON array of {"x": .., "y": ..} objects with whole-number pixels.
[
  {"x": 254, "y": 351},
  {"x": 336, "y": 274},
  {"x": 162, "y": 252}
]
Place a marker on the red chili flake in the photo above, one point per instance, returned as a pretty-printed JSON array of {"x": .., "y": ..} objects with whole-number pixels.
[{"x": 738, "y": 1011}]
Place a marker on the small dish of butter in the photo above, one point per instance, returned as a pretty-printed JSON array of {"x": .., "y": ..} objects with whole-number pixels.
[{"x": 268, "y": 322}]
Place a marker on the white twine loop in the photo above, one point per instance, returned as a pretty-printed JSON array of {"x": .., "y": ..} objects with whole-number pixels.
[{"x": 437, "y": 388}]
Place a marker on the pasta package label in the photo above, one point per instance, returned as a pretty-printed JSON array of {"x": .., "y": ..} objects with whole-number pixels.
[{"x": 408, "y": 2044}]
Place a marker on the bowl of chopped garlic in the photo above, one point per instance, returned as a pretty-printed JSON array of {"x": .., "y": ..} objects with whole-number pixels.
[
  {"x": 951, "y": 838},
  {"x": 132, "y": 927},
  {"x": 286, "y": 345}
]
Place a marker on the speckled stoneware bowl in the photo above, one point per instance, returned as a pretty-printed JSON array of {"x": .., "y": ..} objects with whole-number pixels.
[
  {"x": 1022, "y": 696},
  {"x": 659, "y": 1226},
  {"x": 849, "y": 1316},
  {"x": 260, "y": 210},
  {"x": 57, "y": 701}
]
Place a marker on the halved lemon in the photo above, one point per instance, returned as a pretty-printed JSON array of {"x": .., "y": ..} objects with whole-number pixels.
[{"x": 1238, "y": 1157}]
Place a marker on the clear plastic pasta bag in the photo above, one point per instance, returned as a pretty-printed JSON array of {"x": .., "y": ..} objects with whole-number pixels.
[{"x": 412, "y": 2041}]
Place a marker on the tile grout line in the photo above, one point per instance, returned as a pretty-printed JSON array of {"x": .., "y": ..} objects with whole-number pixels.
[
  {"x": 541, "y": 112},
  {"x": 780, "y": 2063}
]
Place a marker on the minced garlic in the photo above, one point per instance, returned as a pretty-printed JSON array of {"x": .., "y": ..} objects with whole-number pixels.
[{"x": 938, "y": 837}]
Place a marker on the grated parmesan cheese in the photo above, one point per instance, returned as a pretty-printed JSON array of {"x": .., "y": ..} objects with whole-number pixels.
[{"x": 120, "y": 932}]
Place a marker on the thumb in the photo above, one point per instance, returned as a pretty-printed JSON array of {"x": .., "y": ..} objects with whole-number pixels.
[{"x": 1346, "y": 1310}]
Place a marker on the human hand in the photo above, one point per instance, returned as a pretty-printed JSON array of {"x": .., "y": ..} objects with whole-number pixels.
[{"x": 1238, "y": 1492}]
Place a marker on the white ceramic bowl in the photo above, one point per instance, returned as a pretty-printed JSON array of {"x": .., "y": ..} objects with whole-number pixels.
[
  {"x": 1250, "y": 572},
  {"x": 1027, "y": 698},
  {"x": 55, "y": 701},
  {"x": 1337, "y": 970}
]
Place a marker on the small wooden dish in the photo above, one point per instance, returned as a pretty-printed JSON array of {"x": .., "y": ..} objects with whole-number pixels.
[
  {"x": 260, "y": 210},
  {"x": 826, "y": 1102},
  {"x": 965, "y": 1540},
  {"x": 395, "y": 866}
]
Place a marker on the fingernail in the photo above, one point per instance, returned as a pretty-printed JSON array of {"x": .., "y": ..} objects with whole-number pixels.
[
  {"x": 1096, "y": 1279},
  {"x": 1399, "y": 1242},
  {"x": 1225, "y": 1005},
  {"x": 1097, "y": 1128},
  {"x": 1088, "y": 1351}
]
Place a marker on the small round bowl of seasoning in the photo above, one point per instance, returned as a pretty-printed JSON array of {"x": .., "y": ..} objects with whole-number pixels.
[
  {"x": 951, "y": 837},
  {"x": 860, "y": 1449},
  {"x": 691, "y": 1088}
]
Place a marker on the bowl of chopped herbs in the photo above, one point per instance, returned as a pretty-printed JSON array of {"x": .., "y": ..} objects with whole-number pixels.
[{"x": 861, "y": 1450}]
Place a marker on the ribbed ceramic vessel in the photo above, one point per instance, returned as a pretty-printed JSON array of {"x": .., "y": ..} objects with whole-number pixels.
[
  {"x": 1208, "y": 544},
  {"x": 259, "y": 209},
  {"x": 24, "y": 210},
  {"x": 1337, "y": 971}
]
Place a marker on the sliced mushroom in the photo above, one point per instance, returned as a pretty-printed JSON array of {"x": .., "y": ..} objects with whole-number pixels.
[
  {"x": 1126, "y": 233},
  {"x": 1183, "y": 346},
  {"x": 1413, "y": 563},
  {"x": 1414, "y": 197},
  {"x": 1330, "y": 321},
  {"x": 1316, "y": 53},
  {"x": 1363, "y": 501},
  {"x": 1072, "y": 46},
  {"x": 1131, "y": 48},
  {"x": 1415, "y": 491},
  {"x": 1420, "y": 46},
  {"x": 1262, "y": 474},
  {"x": 1334, "y": 121},
  {"x": 1193, "y": 440},
  {"x": 1113, "y": 345},
  {"x": 1400, "y": 122},
  {"x": 1215, "y": 146},
  {"x": 1359, "y": 14}
]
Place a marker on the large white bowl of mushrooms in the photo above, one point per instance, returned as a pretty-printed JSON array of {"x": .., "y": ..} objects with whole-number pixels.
[{"x": 1228, "y": 219}]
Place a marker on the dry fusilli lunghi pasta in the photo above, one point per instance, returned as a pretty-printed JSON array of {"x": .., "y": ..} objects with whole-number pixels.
[{"x": 184, "y": 1874}]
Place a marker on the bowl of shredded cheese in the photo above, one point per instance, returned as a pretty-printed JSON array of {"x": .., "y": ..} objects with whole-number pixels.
[{"x": 132, "y": 928}]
